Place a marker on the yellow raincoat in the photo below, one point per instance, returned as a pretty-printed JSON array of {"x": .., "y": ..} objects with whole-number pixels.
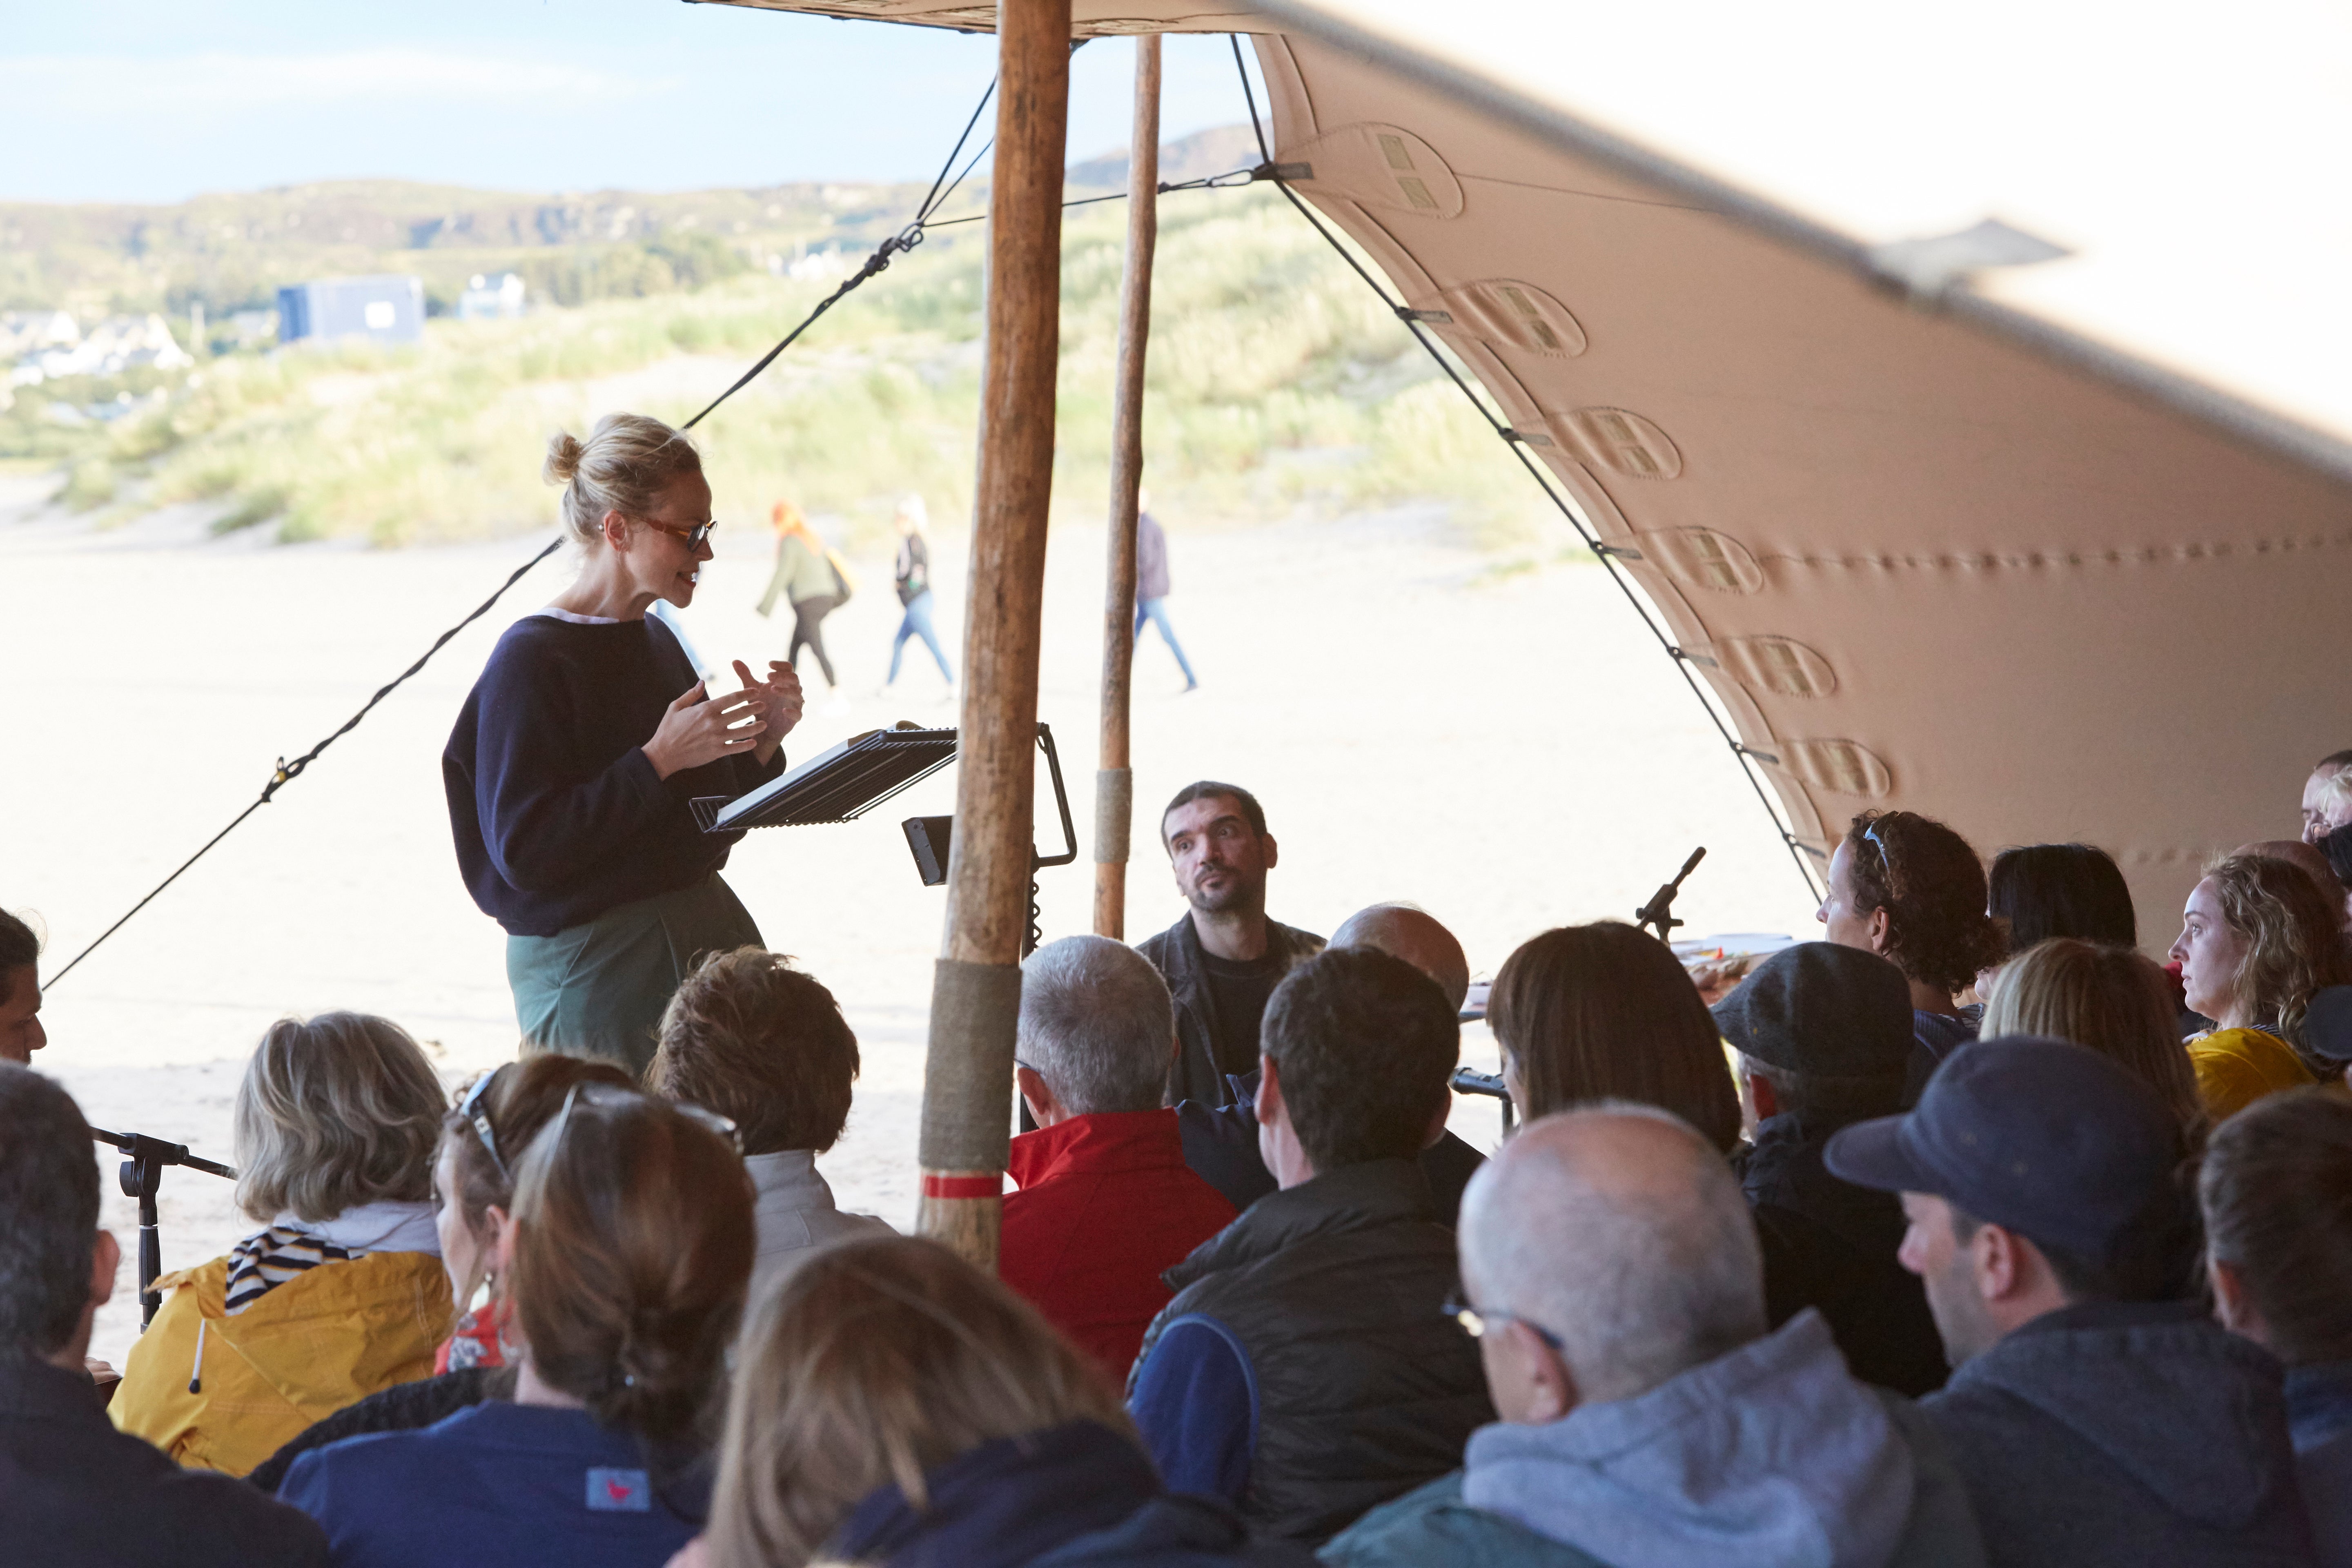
[
  {"x": 2235, "y": 1067},
  {"x": 308, "y": 1348}
]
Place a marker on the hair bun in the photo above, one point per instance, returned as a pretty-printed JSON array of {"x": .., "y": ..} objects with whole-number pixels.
[{"x": 563, "y": 454}]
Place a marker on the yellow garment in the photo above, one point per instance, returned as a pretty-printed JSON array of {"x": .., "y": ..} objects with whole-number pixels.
[
  {"x": 308, "y": 1348},
  {"x": 2236, "y": 1068}
]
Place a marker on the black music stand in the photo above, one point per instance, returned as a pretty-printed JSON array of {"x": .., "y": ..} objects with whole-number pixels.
[
  {"x": 840, "y": 784},
  {"x": 142, "y": 1176}
]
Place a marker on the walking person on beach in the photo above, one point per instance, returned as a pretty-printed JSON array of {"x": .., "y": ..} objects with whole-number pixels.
[
  {"x": 810, "y": 578},
  {"x": 1151, "y": 588},
  {"x": 913, "y": 570}
]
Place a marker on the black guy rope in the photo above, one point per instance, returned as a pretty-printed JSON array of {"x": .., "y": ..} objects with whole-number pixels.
[
  {"x": 906, "y": 239},
  {"x": 1269, "y": 170}
]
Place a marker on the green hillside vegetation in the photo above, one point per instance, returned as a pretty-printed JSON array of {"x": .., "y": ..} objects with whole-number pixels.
[
  {"x": 231, "y": 252},
  {"x": 1276, "y": 382}
]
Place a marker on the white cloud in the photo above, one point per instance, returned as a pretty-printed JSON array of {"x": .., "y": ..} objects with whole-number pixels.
[{"x": 79, "y": 85}]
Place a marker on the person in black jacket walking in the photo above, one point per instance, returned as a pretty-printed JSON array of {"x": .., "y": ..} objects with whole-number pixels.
[
  {"x": 1224, "y": 958},
  {"x": 1305, "y": 1370}
]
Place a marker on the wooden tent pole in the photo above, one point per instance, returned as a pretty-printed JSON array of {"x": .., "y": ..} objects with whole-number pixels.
[
  {"x": 976, "y": 988},
  {"x": 1114, "y": 780}
]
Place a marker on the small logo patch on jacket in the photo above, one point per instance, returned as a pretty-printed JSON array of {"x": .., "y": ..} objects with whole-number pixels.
[{"x": 619, "y": 1491}]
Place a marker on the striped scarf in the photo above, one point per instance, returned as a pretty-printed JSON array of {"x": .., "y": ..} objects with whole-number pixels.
[{"x": 266, "y": 1261}]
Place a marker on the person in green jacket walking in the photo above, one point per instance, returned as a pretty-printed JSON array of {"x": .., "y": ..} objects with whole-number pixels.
[{"x": 810, "y": 578}]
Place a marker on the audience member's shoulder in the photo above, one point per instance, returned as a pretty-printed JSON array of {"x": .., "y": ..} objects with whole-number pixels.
[
  {"x": 1942, "y": 1530},
  {"x": 403, "y": 1407},
  {"x": 1178, "y": 1532},
  {"x": 210, "y": 1518},
  {"x": 1432, "y": 1524},
  {"x": 376, "y": 1462},
  {"x": 1158, "y": 946}
]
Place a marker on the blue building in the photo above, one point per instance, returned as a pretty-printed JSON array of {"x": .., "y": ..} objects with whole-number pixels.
[{"x": 385, "y": 309}]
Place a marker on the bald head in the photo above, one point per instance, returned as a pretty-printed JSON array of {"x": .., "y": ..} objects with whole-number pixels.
[
  {"x": 2296, "y": 852},
  {"x": 1619, "y": 1229},
  {"x": 1402, "y": 931}
]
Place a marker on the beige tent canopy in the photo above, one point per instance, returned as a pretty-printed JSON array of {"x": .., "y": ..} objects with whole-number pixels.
[{"x": 1938, "y": 531}]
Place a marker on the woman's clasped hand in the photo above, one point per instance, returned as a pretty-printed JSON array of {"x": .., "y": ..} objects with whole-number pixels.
[{"x": 698, "y": 728}]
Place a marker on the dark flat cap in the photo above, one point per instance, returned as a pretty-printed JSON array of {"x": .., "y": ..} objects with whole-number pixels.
[
  {"x": 2042, "y": 1137},
  {"x": 1823, "y": 1011}
]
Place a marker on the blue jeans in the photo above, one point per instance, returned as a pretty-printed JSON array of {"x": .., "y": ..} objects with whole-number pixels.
[
  {"x": 917, "y": 623},
  {"x": 1156, "y": 611}
]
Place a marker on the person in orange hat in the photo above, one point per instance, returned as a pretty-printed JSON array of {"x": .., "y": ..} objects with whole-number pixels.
[{"x": 813, "y": 580}]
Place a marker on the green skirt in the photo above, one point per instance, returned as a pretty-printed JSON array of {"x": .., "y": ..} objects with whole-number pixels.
[{"x": 599, "y": 989}]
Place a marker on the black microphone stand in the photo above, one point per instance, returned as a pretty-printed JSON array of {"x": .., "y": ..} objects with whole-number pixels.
[
  {"x": 1658, "y": 914},
  {"x": 142, "y": 1176}
]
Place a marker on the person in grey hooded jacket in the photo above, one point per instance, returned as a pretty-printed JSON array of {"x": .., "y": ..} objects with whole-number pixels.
[
  {"x": 2098, "y": 1416},
  {"x": 1616, "y": 1286}
]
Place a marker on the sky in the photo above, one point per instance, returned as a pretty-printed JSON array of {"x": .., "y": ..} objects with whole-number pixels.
[{"x": 157, "y": 100}]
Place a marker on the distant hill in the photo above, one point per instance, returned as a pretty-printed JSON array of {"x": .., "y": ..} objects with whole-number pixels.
[
  {"x": 231, "y": 252},
  {"x": 1277, "y": 382},
  {"x": 1196, "y": 157}
]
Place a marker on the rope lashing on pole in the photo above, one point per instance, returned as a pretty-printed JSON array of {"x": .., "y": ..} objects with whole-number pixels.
[
  {"x": 1281, "y": 175},
  {"x": 286, "y": 773}
]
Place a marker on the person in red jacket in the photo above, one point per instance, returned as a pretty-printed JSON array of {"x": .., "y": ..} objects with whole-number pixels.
[{"x": 1106, "y": 1201}]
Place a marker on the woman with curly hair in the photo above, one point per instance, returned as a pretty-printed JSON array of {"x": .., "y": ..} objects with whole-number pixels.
[
  {"x": 2257, "y": 940},
  {"x": 1911, "y": 891}
]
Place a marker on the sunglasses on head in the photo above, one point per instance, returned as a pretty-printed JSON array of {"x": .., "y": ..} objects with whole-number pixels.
[
  {"x": 470, "y": 1109},
  {"x": 613, "y": 1097}
]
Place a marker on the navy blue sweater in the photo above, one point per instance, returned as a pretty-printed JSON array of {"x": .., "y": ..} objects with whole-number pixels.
[{"x": 555, "y": 807}]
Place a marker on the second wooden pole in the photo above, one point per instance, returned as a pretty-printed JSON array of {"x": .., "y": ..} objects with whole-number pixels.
[{"x": 1114, "y": 777}]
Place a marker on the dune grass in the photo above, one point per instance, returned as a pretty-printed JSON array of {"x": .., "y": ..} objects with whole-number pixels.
[{"x": 1276, "y": 382}]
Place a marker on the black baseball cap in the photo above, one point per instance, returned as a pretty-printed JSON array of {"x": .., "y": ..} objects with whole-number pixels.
[
  {"x": 2042, "y": 1137},
  {"x": 1823, "y": 1011}
]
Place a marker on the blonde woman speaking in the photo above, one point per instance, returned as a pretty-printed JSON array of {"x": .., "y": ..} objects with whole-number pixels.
[{"x": 573, "y": 761}]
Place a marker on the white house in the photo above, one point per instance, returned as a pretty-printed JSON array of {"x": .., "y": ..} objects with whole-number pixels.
[
  {"x": 114, "y": 345},
  {"x": 485, "y": 301}
]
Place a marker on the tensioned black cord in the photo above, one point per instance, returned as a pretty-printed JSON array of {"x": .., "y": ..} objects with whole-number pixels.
[
  {"x": 1229, "y": 180},
  {"x": 906, "y": 239},
  {"x": 1518, "y": 443}
]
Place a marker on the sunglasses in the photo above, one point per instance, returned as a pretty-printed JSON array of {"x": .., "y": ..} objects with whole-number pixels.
[
  {"x": 613, "y": 1097},
  {"x": 693, "y": 536},
  {"x": 470, "y": 1109},
  {"x": 1475, "y": 1322},
  {"x": 1870, "y": 831}
]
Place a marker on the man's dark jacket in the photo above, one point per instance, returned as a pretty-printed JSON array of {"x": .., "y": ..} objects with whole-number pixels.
[
  {"x": 1363, "y": 1389},
  {"x": 1831, "y": 1244},
  {"x": 74, "y": 1491},
  {"x": 2143, "y": 1434},
  {"x": 1220, "y": 1147},
  {"x": 1176, "y": 953}
]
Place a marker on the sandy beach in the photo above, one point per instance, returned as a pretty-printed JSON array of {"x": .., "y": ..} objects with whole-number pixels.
[{"x": 1506, "y": 748}]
